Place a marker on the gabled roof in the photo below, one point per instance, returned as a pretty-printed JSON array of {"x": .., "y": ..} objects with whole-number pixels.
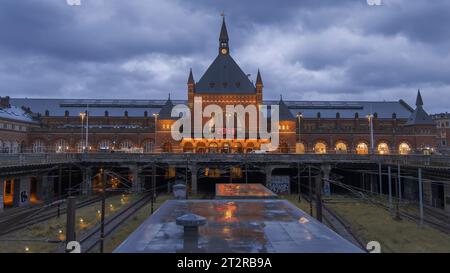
[
  {"x": 285, "y": 113},
  {"x": 224, "y": 76},
  {"x": 419, "y": 116},
  {"x": 166, "y": 111}
]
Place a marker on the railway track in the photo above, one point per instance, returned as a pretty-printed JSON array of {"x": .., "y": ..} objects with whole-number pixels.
[
  {"x": 90, "y": 239},
  {"x": 37, "y": 215},
  {"x": 339, "y": 225}
]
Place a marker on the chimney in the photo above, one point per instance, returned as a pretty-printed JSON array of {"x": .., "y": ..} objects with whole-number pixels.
[{"x": 4, "y": 102}]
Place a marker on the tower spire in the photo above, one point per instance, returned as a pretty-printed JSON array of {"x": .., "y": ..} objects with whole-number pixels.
[
  {"x": 419, "y": 101},
  {"x": 259, "y": 79},
  {"x": 191, "y": 78},
  {"x": 223, "y": 38}
]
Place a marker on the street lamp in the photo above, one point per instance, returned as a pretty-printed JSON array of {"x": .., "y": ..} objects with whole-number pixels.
[
  {"x": 82, "y": 115},
  {"x": 299, "y": 117},
  {"x": 156, "y": 126},
  {"x": 370, "y": 118}
]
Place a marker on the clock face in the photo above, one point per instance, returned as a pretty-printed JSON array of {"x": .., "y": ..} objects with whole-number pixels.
[{"x": 224, "y": 51}]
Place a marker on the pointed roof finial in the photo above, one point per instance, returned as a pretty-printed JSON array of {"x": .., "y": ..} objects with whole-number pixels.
[
  {"x": 259, "y": 79},
  {"x": 223, "y": 31},
  {"x": 191, "y": 77},
  {"x": 419, "y": 101}
]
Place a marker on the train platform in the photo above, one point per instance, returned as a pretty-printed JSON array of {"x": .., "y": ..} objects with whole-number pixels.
[{"x": 245, "y": 191}]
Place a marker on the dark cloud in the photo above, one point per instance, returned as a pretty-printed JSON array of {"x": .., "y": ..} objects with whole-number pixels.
[{"x": 306, "y": 49}]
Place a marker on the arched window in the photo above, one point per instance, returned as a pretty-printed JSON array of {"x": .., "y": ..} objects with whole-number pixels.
[
  {"x": 226, "y": 149},
  {"x": 188, "y": 148},
  {"x": 38, "y": 146},
  {"x": 341, "y": 148},
  {"x": 200, "y": 148},
  {"x": 104, "y": 145},
  {"x": 300, "y": 148},
  {"x": 320, "y": 148},
  {"x": 7, "y": 147},
  {"x": 383, "y": 148},
  {"x": 237, "y": 148},
  {"x": 80, "y": 146},
  {"x": 284, "y": 148},
  {"x": 15, "y": 147},
  {"x": 167, "y": 147},
  {"x": 362, "y": 148},
  {"x": 404, "y": 148},
  {"x": 212, "y": 148},
  {"x": 126, "y": 144},
  {"x": 148, "y": 146},
  {"x": 61, "y": 146}
]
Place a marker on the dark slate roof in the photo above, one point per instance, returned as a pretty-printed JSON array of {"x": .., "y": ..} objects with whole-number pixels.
[
  {"x": 285, "y": 113},
  {"x": 224, "y": 76},
  {"x": 419, "y": 116},
  {"x": 166, "y": 110},
  {"x": 136, "y": 108}
]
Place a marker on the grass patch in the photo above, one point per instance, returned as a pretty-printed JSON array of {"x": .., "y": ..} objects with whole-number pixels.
[
  {"x": 373, "y": 223},
  {"x": 33, "y": 239}
]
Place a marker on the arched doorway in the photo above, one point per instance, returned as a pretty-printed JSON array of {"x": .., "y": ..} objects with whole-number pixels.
[
  {"x": 404, "y": 148},
  {"x": 341, "y": 147},
  {"x": 320, "y": 148},
  {"x": 362, "y": 148},
  {"x": 383, "y": 148}
]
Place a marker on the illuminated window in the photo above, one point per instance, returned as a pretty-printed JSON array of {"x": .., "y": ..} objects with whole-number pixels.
[
  {"x": 126, "y": 144},
  {"x": 320, "y": 148},
  {"x": 341, "y": 148},
  {"x": 104, "y": 145},
  {"x": 404, "y": 148},
  {"x": 362, "y": 148},
  {"x": 299, "y": 148},
  {"x": 61, "y": 146},
  {"x": 383, "y": 148}
]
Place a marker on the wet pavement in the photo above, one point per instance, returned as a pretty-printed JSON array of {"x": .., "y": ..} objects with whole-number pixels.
[
  {"x": 235, "y": 226},
  {"x": 247, "y": 191}
]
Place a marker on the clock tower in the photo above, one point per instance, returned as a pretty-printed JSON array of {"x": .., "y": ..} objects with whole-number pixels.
[{"x": 223, "y": 39}]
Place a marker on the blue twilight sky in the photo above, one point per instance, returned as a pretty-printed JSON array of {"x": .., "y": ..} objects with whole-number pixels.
[{"x": 306, "y": 49}]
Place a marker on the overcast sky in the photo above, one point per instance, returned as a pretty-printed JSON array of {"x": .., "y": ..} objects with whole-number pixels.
[{"x": 305, "y": 49}]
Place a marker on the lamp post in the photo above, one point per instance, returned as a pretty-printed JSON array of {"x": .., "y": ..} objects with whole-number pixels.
[
  {"x": 299, "y": 117},
  {"x": 370, "y": 118},
  {"x": 82, "y": 115},
  {"x": 156, "y": 128},
  {"x": 87, "y": 128}
]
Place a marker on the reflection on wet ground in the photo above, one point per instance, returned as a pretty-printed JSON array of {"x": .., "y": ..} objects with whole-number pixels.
[
  {"x": 241, "y": 226},
  {"x": 247, "y": 191}
]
